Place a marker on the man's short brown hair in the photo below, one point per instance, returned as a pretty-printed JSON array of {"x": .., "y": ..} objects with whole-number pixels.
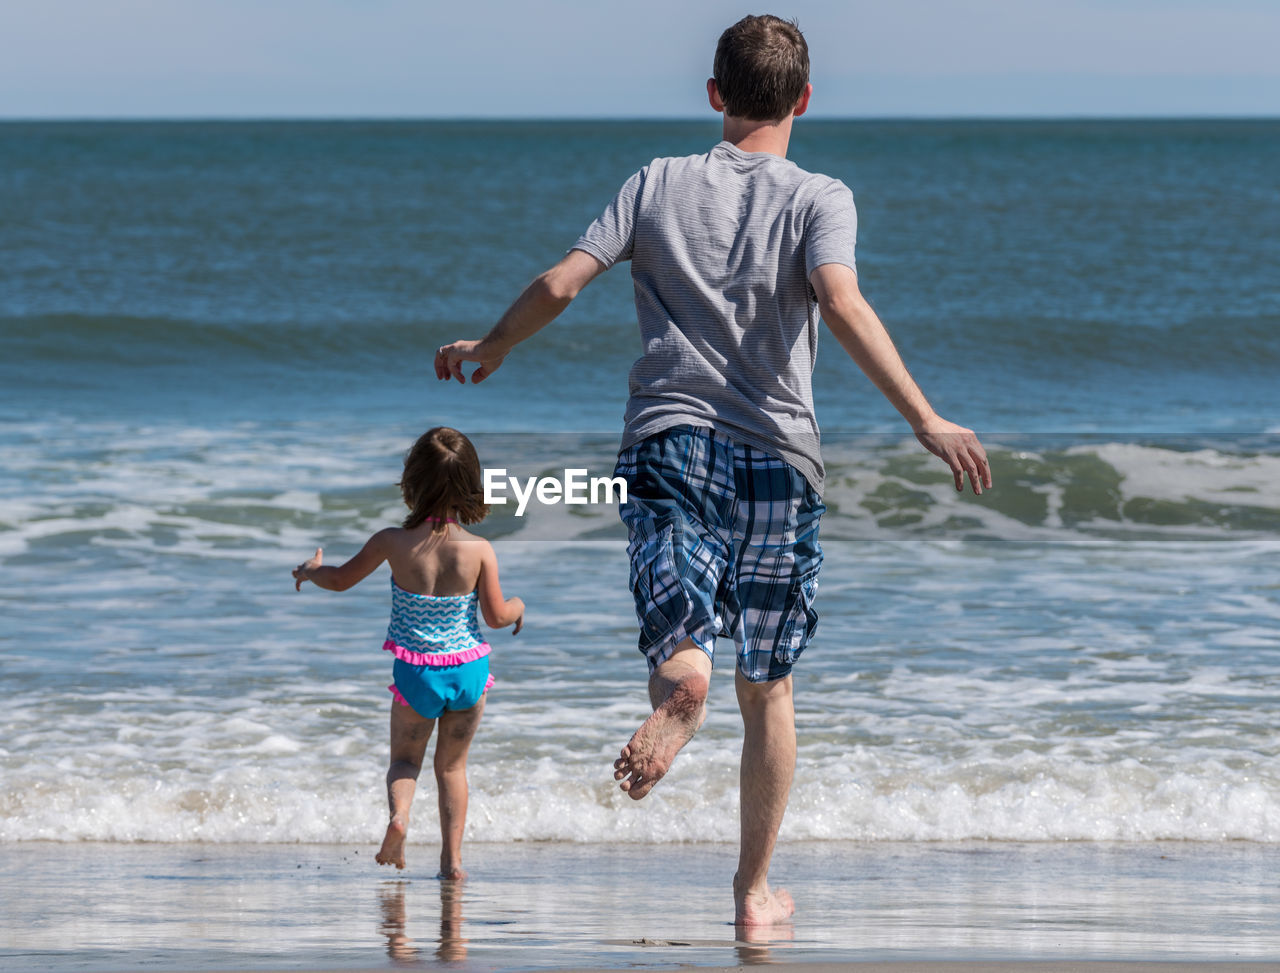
[{"x": 761, "y": 68}]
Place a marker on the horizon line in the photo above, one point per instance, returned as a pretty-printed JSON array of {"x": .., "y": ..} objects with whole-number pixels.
[{"x": 638, "y": 119}]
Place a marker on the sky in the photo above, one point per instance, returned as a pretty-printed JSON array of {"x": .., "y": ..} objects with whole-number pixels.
[{"x": 608, "y": 58}]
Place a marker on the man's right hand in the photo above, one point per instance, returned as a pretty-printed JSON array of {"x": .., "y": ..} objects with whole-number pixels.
[
  {"x": 449, "y": 359},
  {"x": 538, "y": 304}
]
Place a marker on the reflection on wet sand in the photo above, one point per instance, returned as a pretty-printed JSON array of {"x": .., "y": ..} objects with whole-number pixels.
[
  {"x": 452, "y": 944},
  {"x": 753, "y": 942},
  {"x": 400, "y": 948}
]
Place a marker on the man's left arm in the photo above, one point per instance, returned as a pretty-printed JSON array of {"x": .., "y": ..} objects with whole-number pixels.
[
  {"x": 860, "y": 332},
  {"x": 536, "y": 307}
]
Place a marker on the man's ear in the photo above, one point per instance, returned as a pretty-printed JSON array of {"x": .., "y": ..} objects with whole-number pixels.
[
  {"x": 713, "y": 95},
  {"x": 802, "y": 105}
]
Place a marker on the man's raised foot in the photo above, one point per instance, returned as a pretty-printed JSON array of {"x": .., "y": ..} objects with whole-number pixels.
[{"x": 649, "y": 753}]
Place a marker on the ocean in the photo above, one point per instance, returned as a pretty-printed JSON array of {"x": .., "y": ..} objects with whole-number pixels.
[{"x": 216, "y": 343}]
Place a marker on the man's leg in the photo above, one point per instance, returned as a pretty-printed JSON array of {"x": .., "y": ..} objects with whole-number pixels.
[
  {"x": 768, "y": 764},
  {"x": 679, "y": 487},
  {"x": 777, "y": 558},
  {"x": 678, "y": 692}
]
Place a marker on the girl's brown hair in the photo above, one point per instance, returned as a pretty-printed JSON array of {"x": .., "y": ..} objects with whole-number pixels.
[{"x": 442, "y": 479}]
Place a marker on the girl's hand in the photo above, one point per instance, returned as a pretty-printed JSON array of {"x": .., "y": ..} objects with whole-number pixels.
[
  {"x": 519, "y": 624},
  {"x": 518, "y": 606},
  {"x": 302, "y": 570}
]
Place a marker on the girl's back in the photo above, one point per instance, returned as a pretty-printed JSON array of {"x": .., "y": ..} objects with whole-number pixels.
[{"x": 435, "y": 559}]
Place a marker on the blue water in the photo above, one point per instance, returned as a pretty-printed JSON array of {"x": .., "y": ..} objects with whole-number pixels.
[
  {"x": 1037, "y": 276},
  {"x": 216, "y": 342}
]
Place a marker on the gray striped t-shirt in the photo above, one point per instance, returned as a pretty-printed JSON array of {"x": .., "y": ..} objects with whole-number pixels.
[{"x": 721, "y": 248}]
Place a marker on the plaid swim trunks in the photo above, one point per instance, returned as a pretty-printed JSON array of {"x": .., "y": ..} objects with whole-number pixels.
[{"x": 723, "y": 541}]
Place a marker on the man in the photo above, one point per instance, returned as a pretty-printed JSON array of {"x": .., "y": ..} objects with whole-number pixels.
[{"x": 733, "y": 255}]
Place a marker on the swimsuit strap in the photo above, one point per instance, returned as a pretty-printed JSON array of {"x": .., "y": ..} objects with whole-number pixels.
[{"x": 437, "y": 520}]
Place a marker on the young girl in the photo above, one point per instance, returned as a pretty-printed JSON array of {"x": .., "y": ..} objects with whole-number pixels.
[{"x": 438, "y": 574}]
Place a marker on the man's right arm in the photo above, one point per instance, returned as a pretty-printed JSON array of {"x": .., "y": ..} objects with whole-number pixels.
[
  {"x": 536, "y": 307},
  {"x": 860, "y": 332}
]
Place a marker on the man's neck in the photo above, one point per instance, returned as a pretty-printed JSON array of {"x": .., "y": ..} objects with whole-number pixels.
[{"x": 753, "y": 136}]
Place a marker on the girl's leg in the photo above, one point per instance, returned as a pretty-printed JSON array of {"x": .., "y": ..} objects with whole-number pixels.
[
  {"x": 457, "y": 728},
  {"x": 409, "y": 735}
]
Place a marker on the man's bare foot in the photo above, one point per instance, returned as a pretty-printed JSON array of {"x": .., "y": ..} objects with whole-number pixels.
[
  {"x": 392, "y": 850},
  {"x": 767, "y": 908},
  {"x": 454, "y": 874},
  {"x": 647, "y": 756}
]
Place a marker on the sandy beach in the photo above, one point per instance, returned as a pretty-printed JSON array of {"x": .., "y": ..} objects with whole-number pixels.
[
  {"x": 909, "y": 966},
  {"x": 543, "y": 906}
]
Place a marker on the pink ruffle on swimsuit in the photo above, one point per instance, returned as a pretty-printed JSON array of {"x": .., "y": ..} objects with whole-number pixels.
[{"x": 442, "y": 660}]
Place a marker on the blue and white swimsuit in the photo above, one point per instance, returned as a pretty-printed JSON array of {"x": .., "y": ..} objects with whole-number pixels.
[{"x": 442, "y": 660}]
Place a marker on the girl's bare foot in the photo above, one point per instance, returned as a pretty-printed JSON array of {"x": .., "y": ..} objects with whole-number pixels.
[
  {"x": 648, "y": 755},
  {"x": 450, "y": 867},
  {"x": 392, "y": 850}
]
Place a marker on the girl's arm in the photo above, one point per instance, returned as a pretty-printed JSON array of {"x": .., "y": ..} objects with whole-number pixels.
[
  {"x": 498, "y": 612},
  {"x": 344, "y": 576}
]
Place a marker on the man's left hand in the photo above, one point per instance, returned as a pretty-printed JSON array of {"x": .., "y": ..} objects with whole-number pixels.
[{"x": 959, "y": 448}]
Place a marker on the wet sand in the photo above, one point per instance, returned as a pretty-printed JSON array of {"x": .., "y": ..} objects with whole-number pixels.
[
  {"x": 909, "y": 966},
  {"x": 899, "y": 907}
]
